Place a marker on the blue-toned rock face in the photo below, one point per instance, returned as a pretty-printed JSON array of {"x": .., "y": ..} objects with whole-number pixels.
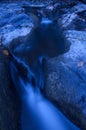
[
  {"x": 14, "y": 23},
  {"x": 66, "y": 74}
]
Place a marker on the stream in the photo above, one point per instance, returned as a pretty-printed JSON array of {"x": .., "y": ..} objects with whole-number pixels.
[{"x": 27, "y": 72}]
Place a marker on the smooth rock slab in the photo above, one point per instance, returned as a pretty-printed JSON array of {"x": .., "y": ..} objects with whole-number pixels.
[
  {"x": 66, "y": 79},
  {"x": 14, "y": 23}
]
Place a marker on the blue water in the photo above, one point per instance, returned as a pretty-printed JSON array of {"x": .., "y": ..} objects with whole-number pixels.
[{"x": 37, "y": 112}]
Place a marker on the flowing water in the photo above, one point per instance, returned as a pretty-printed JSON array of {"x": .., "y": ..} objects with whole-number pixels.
[{"x": 37, "y": 112}]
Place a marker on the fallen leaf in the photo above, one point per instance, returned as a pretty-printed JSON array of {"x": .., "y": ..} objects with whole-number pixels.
[
  {"x": 6, "y": 52},
  {"x": 80, "y": 64}
]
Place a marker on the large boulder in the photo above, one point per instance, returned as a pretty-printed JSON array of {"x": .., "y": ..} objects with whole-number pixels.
[
  {"x": 66, "y": 79},
  {"x": 66, "y": 75}
]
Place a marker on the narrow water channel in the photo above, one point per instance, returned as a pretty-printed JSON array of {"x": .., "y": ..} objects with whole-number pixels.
[{"x": 37, "y": 112}]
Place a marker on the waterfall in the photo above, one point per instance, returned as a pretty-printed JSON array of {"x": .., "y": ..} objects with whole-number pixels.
[{"x": 37, "y": 112}]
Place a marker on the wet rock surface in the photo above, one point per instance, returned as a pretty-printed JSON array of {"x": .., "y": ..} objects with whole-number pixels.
[
  {"x": 65, "y": 75},
  {"x": 14, "y": 23}
]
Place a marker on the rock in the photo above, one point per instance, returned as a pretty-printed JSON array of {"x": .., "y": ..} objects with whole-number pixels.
[
  {"x": 9, "y": 100},
  {"x": 66, "y": 75},
  {"x": 80, "y": 22},
  {"x": 66, "y": 79},
  {"x": 14, "y": 23},
  {"x": 71, "y": 18},
  {"x": 78, "y": 8},
  {"x": 67, "y": 19}
]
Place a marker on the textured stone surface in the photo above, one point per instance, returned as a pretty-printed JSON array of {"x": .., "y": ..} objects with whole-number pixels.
[
  {"x": 14, "y": 23},
  {"x": 66, "y": 74}
]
